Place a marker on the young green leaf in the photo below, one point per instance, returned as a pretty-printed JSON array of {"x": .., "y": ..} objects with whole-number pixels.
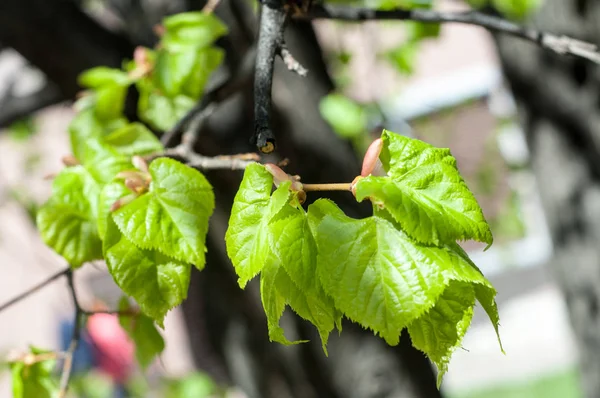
[
  {"x": 141, "y": 330},
  {"x": 347, "y": 118},
  {"x": 160, "y": 111},
  {"x": 376, "y": 275},
  {"x": 67, "y": 222},
  {"x": 133, "y": 139},
  {"x": 191, "y": 29},
  {"x": 294, "y": 246},
  {"x": 247, "y": 236},
  {"x": 272, "y": 300},
  {"x": 86, "y": 126},
  {"x": 102, "y": 76},
  {"x": 35, "y": 380},
  {"x": 439, "y": 331},
  {"x": 172, "y": 217},
  {"x": 110, "y": 193},
  {"x": 156, "y": 282},
  {"x": 425, "y": 193}
]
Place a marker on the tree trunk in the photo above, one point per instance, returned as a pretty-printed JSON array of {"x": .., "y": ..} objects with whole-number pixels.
[
  {"x": 559, "y": 103},
  {"x": 227, "y": 326}
]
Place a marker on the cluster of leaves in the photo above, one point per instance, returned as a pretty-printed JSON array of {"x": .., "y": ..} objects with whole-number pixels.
[
  {"x": 148, "y": 223},
  {"x": 400, "y": 268}
]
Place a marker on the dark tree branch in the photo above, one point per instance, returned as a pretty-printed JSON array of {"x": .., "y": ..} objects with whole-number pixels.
[
  {"x": 549, "y": 41},
  {"x": 270, "y": 39},
  {"x": 77, "y": 324},
  {"x": 34, "y": 289}
]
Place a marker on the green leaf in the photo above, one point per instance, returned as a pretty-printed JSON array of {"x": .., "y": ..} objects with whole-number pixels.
[
  {"x": 35, "y": 380},
  {"x": 403, "y": 57},
  {"x": 191, "y": 29},
  {"x": 110, "y": 193},
  {"x": 347, "y": 118},
  {"x": 247, "y": 236},
  {"x": 101, "y": 76},
  {"x": 425, "y": 193},
  {"x": 104, "y": 162},
  {"x": 160, "y": 111},
  {"x": 173, "y": 216},
  {"x": 273, "y": 302},
  {"x": 134, "y": 139},
  {"x": 207, "y": 61},
  {"x": 296, "y": 250},
  {"x": 377, "y": 275},
  {"x": 110, "y": 101},
  {"x": 186, "y": 72},
  {"x": 197, "y": 385},
  {"x": 516, "y": 9},
  {"x": 438, "y": 332},
  {"x": 86, "y": 126},
  {"x": 157, "y": 283},
  {"x": 141, "y": 330},
  {"x": 67, "y": 222}
]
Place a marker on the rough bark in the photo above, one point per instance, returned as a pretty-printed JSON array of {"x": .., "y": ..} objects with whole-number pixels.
[{"x": 559, "y": 105}]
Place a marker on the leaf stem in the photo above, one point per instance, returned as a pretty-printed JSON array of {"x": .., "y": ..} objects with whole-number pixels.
[{"x": 344, "y": 186}]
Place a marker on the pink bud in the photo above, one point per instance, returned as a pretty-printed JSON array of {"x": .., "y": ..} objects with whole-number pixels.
[
  {"x": 279, "y": 175},
  {"x": 122, "y": 202},
  {"x": 70, "y": 160},
  {"x": 371, "y": 156},
  {"x": 140, "y": 163}
]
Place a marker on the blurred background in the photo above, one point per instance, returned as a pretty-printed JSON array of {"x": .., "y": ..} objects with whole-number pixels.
[{"x": 521, "y": 122}]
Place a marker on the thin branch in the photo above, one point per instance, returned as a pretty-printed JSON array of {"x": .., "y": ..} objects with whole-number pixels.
[
  {"x": 327, "y": 187},
  {"x": 270, "y": 39},
  {"x": 552, "y": 42},
  {"x": 79, "y": 318},
  {"x": 131, "y": 312},
  {"x": 34, "y": 289},
  {"x": 290, "y": 62}
]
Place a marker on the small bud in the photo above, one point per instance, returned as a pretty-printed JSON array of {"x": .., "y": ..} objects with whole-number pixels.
[
  {"x": 301, "y": 197},
  {"x": 29, "y": 359},
  {"x": 135, "y": 185},
  {"x": 279, "y": 175},
  {"x": 122, "y": 202},
  {"x": 70, "y": 160},
  {"x": 371, "y": 157},
  {"x": 140, "y": 163},
  {"x": 296, "y": 186},
  {"x": 159, "y": 30},
  {"x": 140, "y": 55}
]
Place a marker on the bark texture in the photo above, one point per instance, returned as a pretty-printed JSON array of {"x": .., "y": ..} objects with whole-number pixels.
[{"x": 559, "y": 103}]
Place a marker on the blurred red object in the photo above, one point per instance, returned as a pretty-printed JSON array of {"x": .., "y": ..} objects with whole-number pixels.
[{"x": 115, "y": 352}]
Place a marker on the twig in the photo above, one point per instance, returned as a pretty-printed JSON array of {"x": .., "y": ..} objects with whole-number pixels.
[
  {"x": 556, "y": 43},
  {"x": 290, "y": 62},
  {"x": 270, "y": 39},
  {"x": 79, "y": 317},
  {"x": 131, "y": 312},
  {"x": 327, "y": 187},
  {"x": 34, "y": 289},
  {"x": 210, "y": 6}
]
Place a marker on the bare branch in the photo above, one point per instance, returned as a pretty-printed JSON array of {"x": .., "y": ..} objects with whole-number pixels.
[
  {"x": 33, "y": 289},
  {"x": 79, "y": 317},
  {"x": 552, "y": 42},
  {"x": 270, "y": 39}
]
